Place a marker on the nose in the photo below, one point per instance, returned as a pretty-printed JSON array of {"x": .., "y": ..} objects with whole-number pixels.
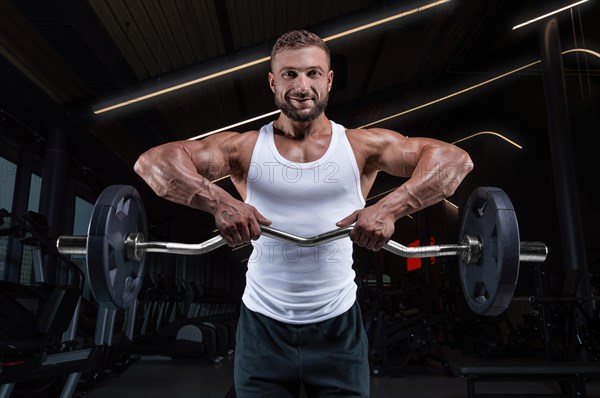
[{"x": 303, "y": 83}]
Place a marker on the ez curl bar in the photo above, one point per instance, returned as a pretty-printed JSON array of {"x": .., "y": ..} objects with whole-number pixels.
[{"x": 489, "y": 253}]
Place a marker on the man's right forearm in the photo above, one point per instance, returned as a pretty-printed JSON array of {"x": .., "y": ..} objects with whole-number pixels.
[
  {"x": 171, "y": 174},
  {"x": 181, "y": 172}
]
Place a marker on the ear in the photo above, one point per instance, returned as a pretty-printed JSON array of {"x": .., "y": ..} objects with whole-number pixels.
[
  {"x": 329, "y": 80},
  {"x": 271, "y": 78}
]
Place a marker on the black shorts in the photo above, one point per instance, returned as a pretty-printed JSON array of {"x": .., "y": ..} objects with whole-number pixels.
[{"x": 329, "y": 358}]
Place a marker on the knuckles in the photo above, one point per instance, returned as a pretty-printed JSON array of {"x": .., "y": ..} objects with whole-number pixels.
[{"x": 371, "y": 236}]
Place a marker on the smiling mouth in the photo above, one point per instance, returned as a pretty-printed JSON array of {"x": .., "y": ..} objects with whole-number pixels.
[{"x": 301, "y": 100}]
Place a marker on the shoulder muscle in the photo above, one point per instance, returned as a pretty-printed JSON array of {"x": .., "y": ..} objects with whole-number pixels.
[{"x": 223, "y": 153}]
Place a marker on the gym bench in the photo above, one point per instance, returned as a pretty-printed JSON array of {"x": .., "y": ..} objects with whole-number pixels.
[{"x": 571, "y": 376}]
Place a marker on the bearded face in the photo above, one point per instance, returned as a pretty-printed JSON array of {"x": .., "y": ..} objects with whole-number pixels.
[{"x": 301, "y": 80}]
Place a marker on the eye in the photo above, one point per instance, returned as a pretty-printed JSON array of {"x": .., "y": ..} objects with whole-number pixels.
[
  {"x": 316, "y": 73},
  {"x": 289, "y": 74}
]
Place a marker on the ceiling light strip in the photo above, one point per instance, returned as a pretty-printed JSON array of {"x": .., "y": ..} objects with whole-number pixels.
[
  {"x": 234, "y": 125},
  {"x": 385, "y": 20},
  {"x": 489, "y": 133},
  {"x": 263, "y": 59},
  {"x": 182, "y": 85},
  {"x": 548, "y": 14},
  {"x": 451, "y": 204},
  {"x": 585, "y": 50},
  {"x": 450, "y": 95}
]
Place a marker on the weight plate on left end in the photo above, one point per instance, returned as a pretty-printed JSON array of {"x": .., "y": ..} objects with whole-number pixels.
[
  {"x": 114, "y": 279},
  {"x": 489, "y": 285}
]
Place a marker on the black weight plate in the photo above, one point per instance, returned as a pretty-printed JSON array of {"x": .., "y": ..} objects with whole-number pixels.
[
  {"x": 489, "y": 284},
  {"x": 114, "y": 280}
]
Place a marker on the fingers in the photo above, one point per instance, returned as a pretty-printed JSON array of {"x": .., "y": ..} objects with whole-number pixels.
[
  {"x": 371, "y": 237},
  {"x": 259, "y": 220},
  {"x": 233, "y": 236},
  {"x": 240, "y": 233},
  {"x": 349, "y": 220},
  {"x": 368, "y": 231},
  {"x": 242, "y": 225}
]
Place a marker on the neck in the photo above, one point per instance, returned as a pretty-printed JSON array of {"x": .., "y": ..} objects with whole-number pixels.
[{"x": 299, "y": 130}]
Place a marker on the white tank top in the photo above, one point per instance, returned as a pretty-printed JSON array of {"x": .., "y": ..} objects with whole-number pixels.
[{"x": 286, "y": 282}]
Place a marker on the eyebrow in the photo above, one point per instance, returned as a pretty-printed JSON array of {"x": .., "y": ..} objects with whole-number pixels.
[{"x": 296, "y": 68}]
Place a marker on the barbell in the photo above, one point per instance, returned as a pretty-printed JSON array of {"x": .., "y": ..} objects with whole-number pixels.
[{"x": 489, "y": 254}]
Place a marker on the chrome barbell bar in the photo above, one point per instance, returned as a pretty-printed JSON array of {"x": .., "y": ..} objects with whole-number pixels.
[{"x": 135, "y": 246}]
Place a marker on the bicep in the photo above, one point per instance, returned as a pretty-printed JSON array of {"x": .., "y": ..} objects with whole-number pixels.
[
  {"x": 211, "y": 156},
  {"x": 403, "y": 156}
]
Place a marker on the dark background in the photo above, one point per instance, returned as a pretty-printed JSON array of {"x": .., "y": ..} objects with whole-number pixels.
[{"x": 60, "y": 59}]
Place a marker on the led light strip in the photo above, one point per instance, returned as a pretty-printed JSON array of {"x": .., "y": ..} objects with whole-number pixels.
[
  {"x": 234, "y": 125},
  {"x": 264, "y": 59},
  {"x": 180, "y": 86},
  {"x": 489, "y": 133},
  {"x": 475, "y": 87},
  {"x": 451, "y": 95},
  {"x": 386, "y": 20},
  {"x": 548, "y": 14}
]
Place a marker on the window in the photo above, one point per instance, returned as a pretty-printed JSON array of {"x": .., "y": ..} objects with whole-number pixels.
[
  {"x": 35, "y": 189},
  {"x": 83, "y": 215},
  {"x": 33, "y": 204},
  {"x": 8, "y": 174}
]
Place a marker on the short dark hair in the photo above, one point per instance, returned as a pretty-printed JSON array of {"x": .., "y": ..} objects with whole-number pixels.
[{"x": 298, "y": 39}]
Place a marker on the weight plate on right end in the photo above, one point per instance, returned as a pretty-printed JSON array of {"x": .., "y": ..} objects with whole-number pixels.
[{"x": 489, "y": 285}]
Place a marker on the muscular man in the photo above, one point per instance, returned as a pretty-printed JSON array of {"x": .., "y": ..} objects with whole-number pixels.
[{"x": 300, "y": 323}]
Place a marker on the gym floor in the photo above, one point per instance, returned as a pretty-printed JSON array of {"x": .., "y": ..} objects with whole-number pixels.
[{"x": 183, "y": 379}]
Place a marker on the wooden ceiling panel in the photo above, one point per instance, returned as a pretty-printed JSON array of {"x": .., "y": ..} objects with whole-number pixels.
[
  {"x": 256, "y": 21},
  {"x": 117, "y": 22},
  {"x": 157, "y": 37},
  {"x": 205, "y": 28},
  {"x": 178, "y": 21},
  {"x": 27, "y": 50},
  {"x": 154, "y": 38}
]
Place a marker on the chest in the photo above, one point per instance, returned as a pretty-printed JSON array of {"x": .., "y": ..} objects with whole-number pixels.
[
  {"x": 302, "y": 150},
  {"x": 289, "y": 174}
]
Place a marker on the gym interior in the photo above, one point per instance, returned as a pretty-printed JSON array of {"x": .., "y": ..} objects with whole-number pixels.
[{"x": 87, "y": 86}]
